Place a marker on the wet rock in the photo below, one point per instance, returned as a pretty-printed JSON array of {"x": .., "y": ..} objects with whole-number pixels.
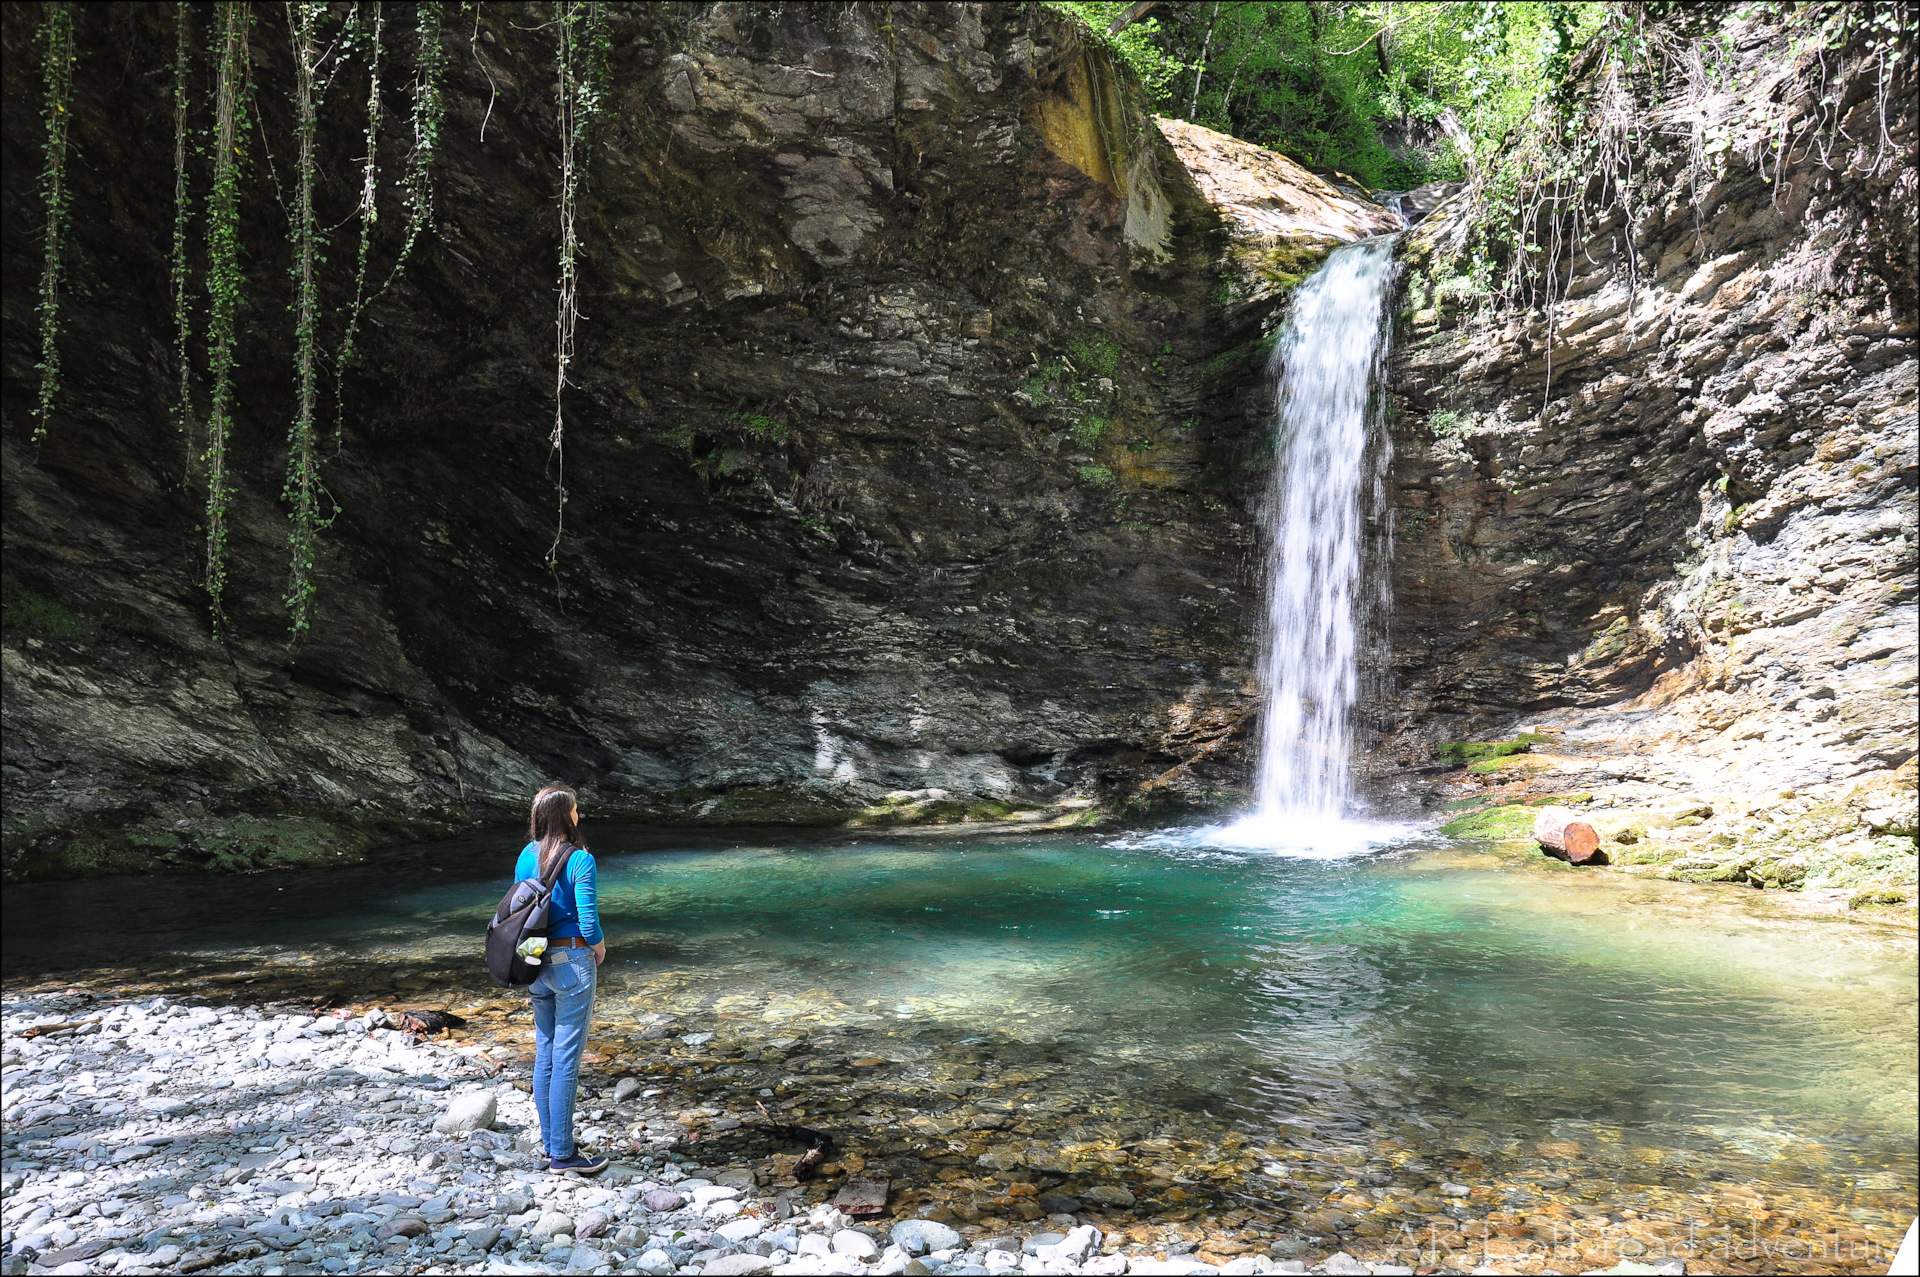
[
  {"x": 918, "y": 1236},
  {"x": 1109, "y": 1195},
  {"x": 474, "y": 1111},
  {"x": 1058, "y": 1204}
]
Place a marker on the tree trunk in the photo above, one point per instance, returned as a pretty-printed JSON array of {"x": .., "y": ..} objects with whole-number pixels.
[
  {"x": 1561, "y": 835},
  {"x": 1383, "y": 46},
  {"x": 1200, "y": 67}
]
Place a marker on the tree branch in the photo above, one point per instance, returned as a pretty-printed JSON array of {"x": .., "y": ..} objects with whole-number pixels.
[
  {"x": 1133, "y": 14},
  {"x": 1341, "y": 53}
]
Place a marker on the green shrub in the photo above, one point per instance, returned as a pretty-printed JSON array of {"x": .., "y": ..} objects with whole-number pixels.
[
  {"x": 761, "y": 426},
  {"x": 1096, "y": 476},
  {"x": 30, "y": 615},
  {"x": 1090, "y": 432}
]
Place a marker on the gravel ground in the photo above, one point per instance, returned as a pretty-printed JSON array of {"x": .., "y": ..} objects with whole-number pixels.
[{"x": 171, "y": 1137}]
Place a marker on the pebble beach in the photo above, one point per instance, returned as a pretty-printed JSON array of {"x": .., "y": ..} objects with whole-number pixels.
[{"x": 163, "y": 1136}]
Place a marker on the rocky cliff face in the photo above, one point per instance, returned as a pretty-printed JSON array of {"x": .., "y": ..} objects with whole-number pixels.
[
  {"x": 1675, "y": 533},
  {"x": 914, "y": 431}
]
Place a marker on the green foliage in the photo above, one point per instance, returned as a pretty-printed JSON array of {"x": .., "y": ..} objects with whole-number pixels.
[
  {"x": 56, "y": 65},
  {"x": 429, "y": 111},
  {"x": 584, "y": 41},
  {"x": 1392, "y": 94},
  {"x": 1096, "y": 354},
  {"x": 223, "y": 280},
  {"x": 302, "y": 490},
  {"x": 27, "y": 614},
  {"x": 1096, "y": 476},
  {"x": 1089, "y": 431},
  {"x": 680, "y": 436},
  {"x": 761, "y": 426},
  {"x": 182, "y": 220},
  {"x": 1138, "y": 46},
  {"x": 368, "y": 210}
]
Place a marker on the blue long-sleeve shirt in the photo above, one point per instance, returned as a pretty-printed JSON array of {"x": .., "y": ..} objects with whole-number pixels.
[{"x": 575, "y": 908}]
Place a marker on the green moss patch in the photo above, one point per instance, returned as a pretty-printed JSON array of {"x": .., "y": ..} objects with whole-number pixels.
[
  {"x": 1493, "y": 823},
  {"x": 236, "y": 844},
  {"x": 1466, "y": 753},
  {"x": 906, "y": 809},
  {"x": 27, "y": 614}
]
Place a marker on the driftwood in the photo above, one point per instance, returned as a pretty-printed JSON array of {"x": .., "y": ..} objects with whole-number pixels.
[
  {"x": 44, "y": 1029},
  {"x": 818, "y": 1143},
  {"x": 428, "y": 1021},
  {"x": 1563, "y": 836}
]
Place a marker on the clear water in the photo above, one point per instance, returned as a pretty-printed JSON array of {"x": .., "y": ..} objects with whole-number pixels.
[
  {"x": 1326, "y": 364},
  {"x": 1415, "y": 1003}
]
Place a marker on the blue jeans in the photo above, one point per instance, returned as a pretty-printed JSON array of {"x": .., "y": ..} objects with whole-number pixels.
[{"x": 562, "y": 1010}]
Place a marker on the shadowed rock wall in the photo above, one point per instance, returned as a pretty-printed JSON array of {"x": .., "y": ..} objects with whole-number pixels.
[{"x": 908, "y": 460}]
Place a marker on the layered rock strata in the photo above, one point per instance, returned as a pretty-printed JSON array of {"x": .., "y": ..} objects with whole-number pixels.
[
  {"x": 1671, "y": 526},
  {"x": 908, "y": 457}
]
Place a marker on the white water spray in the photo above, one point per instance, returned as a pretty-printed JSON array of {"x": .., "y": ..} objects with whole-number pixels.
[{"x": 1326, "y": 364}]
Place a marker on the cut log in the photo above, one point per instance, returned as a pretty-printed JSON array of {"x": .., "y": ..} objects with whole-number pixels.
[{"x": 1562, "y": 835}]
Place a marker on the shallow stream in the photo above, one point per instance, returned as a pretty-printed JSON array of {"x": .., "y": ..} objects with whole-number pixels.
[{"x": 1319, "y": 1044}]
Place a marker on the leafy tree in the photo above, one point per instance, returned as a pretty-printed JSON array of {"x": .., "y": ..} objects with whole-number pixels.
[{"x": 1391, "y": 93}]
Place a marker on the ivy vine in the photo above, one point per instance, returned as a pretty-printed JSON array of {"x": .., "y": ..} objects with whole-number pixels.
[
  {"x": 584, "y": 42},
  {"x": 56, "y": 37},
  {"x": 429, "y": 111},
  {"x": 223, "y": 280},
  {"x": 369, "y": 214},
  {"x": 182, "y": 219},
  {"x": 302, "y": 491}
]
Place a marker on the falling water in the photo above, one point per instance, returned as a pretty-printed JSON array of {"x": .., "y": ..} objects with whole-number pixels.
[{"x": 1326, "y": 365}]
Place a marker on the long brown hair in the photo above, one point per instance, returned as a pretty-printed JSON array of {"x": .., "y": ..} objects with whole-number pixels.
[{"x": 552, "y": 824}]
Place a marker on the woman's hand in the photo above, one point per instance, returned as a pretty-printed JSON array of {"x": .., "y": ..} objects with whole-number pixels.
[{"x": 599, "y": 953}]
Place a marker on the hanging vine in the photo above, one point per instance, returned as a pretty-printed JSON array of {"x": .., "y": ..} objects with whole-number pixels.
[
  {"x": 369, "y": 214},
  {"x": 223, "y": 280},
  {"x": 429, "y": 110},
  {"x": 303, "y": 491},
  {"x": 56, "y": 35},
  {"x": 182, "y": 219},
  {"x": 584, "y": 40}
]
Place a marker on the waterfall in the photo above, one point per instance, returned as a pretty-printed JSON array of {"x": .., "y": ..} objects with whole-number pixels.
[{"x": 1326, "y": 364}]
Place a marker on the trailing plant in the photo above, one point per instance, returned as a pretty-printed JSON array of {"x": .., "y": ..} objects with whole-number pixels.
[
  {"x": 302, "y": 490},
  {"x": 429, "y": 112},
  {"x": 368, "y": 212},
  {"x": 584, "y": 40},
  {"x": 56, "y": 38},
  {"x": 182, "y": 220},
  {"x": 223, "y": 279}
]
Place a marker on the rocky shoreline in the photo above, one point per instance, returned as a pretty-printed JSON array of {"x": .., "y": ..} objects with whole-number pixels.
[{"x": 157, "y": 1136}]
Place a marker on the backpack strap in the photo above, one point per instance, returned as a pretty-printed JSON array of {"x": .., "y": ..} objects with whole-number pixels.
[{"x": 551, "y": 878}]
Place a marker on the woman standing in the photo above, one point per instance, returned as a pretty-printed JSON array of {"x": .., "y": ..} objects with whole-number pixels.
[{"x": 563, "y": 992}]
